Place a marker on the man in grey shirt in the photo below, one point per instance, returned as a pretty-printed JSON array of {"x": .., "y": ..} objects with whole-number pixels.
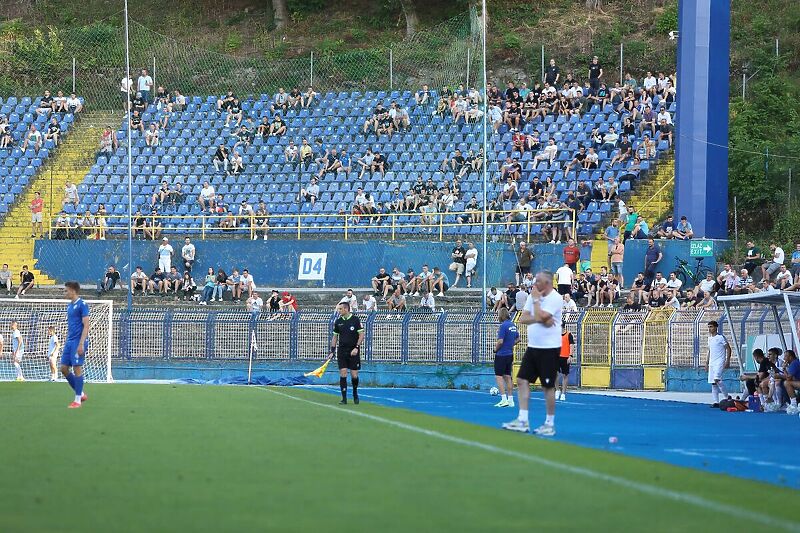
[{"x": 5, "y": 279}]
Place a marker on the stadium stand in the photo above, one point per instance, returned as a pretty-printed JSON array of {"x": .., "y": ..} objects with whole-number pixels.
[
  {"x": 186, "y": 150},
  {"x": 18, "y": 167}
]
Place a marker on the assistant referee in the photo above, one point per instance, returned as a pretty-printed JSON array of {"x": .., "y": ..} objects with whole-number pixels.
[{"x": 349, "y": 335}]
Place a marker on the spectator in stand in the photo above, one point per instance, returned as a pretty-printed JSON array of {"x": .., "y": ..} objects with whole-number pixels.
[
  {"x": 625, "y": 151},
  {"x": 548, "y": 153},
  {"x": 471, "y": 258},
  {"x": 552, "y": 73},
  {"x": 423, "y": 96},
  {"x": 157, "y": 282},
  {"x": 438, "y": 281},
  {"x": 495, "y": 300},
  {"x": 795, "y": 260},
  {"x": 595, "y": 73},
  {"x": 46, "y": 104},
  {"x": 381, "y": 282},
  {"x": 53, "y": 132},
  {"x": 459, "y": 261},
  {"x": 280, "y": 101},
  {"x": 144, "y": 85},
  {"x": 667, "y": 228},
  {"x": 350, "y": 298},
  {"x": 151, "y": 135},
  {"x": 71, "y": 195},
  {"x": 652, "y": 257},
  {"x": 524, "y": 260},
  {"x": 261, "y": 221},
  {"x": 5, "y": 279},
  {"x": 248, "y": 283},
  {"x": 310, "y": 193},
  {"x": 331, "y": 164},
  {"x": 254, "y": 303},
  {"x": 577, "y": 160},
  {"x": 665, "y": 131},
  {"x": 345, "y": 162},
  {"x": 564, "y": 277},
  {"x": 769, "y": 268},
  {"x": 274, "y": 302},
  {"x": 237, "y": 164},
  {"x": 295, "y": 98},
  {"x": 369, "y": 303},
  {"x": 108, "y": 281},
  {"x": 616, "y": 255},
  {"x": 277, "y": 127},
  {"x": 208, "y": 287},
  {"x": 744, "y": 284},
  {"x": 572, "y": 254},
  {"x": 308, "y": 97},
  {"x": 74, "y": 104},
  {"x": 683, "y": 230},
  {"x": 753, "y": 257},
  {"x": 221, "y": 158},
  {"x": 34, "y": 137},
  {"x": 397, "y": 302},
  {"x": 783, "y": 279}
]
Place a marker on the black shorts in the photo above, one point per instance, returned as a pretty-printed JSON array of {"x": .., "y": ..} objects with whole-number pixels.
[
  {"x": 503, "y": 365},
  {"x": 350, "y": 362},
  {"x": 563, "y": 365},
  {"x": 521, "y": 270},
  {"x": 564, "y": 289},
  {"x": 541, "y": 364}
]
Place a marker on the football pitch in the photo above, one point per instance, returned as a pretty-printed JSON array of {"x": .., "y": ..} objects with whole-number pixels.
[{"x": 203, "y": 458}]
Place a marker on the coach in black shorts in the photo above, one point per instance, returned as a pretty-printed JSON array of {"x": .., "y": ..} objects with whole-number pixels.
[
  {"x": 542, "y": 315},
  {"x": 349, "y": 335}
]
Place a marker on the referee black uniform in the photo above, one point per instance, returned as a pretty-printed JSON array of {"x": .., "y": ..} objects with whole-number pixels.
[{"x": 347, "y": 336}]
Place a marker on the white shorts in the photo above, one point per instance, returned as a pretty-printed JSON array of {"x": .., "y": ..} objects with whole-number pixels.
[
  {"x": 715, "y": 373},
  {"x": 36, "y": 217},
  {"x": 471, "y": 264},
  {"x": 164, "y": 263},
  {"x": 17, "y": 358}
]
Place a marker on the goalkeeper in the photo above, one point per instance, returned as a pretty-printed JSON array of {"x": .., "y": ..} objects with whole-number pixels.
[{"x": 348, "y": 335}]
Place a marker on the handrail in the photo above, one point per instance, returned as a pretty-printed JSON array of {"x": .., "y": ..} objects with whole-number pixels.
[
  {"x": 344, "y": 222},
  {"x": 655, "y": 194}
]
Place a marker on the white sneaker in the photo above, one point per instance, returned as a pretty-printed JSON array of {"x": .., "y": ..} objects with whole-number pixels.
[
  {"x": 440, "y": 294},
  {"x": 16, "y": 297},
  {"x": 203, "y": 303},
  {"x": 563, "y": 397},
  {"x": 558, "y": 395},
  {"x": 501, "y": 403},
  {"x": 415, "y": 294},
  {"x": 265, "y": 237},
  {"x": 545, "y": 430},
  {"x": 558, "y": 242},
  {"x": 552, "y": 242},
  {"x": 518, "y": 426},
  {"x": 255, "y": 237},
  {"x": 792, "y": 410},
  {"x": 511, "y": 402}
]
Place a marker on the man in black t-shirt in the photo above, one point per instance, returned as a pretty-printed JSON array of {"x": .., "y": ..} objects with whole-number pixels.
[
  {"x": 552, "y": 73},
  {"x": 459, "y": 263},
  {"x": 625, "y": 151},
  {"x": 348, "y": 336},
  {"x": 379, "y": 282},
  {"x": 274, "y": 302},
  {"x": 109, "y": 281},
  {"x": 25, "y": 281},
  {"x": 595, "y": 73}
]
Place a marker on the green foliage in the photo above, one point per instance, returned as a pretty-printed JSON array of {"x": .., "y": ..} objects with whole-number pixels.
[
  {"x": 236, "y": 19},
  {"x": 331, "y": 46},
  {"x": 39, "y": 56},
  {"x": 512, "y": 41},
  {"x": 667, "y": 21},
  {"x": 233, "y": 41},
  {"x": 305, "y": 6},
  {"x": 358, "y": 34}
]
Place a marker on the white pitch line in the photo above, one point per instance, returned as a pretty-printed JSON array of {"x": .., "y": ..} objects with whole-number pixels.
[{"x": 644, "y": 488}]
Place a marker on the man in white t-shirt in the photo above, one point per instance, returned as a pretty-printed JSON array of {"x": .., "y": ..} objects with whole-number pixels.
[
  {"x": 350, "y": 299},
  {"x": 564, "y": 279},
  {"x": 369, "y": 303},
  {"x": 719, "y": 358},
  {"x": 673, "y": 283},
  {"x": 428, "y": 301},
  {"x": 542, "y": 315},
  {"x": 71, "y": 194},
  {"x": 768, "y": 269},
  {"x": 207, "y": 197},
  {"x": 248, "y": 283},
  {"x": 188, "y": 253},
  {"x": 255, "y": 303},
  {"x": 125, "y": 87},
  {"x": 165, "y": 252}
]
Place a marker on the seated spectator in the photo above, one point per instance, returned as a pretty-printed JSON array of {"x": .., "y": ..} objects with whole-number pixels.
[
  {"x": 610, "y": 140},
  {"x": 209, "y": 285},
  {"x": 577, "y": 160},
  {"x": 60, "y": 102},
  {"x": 6, "y": 138},
  {"x": 624, "y": 153},
  {"x": 221, "y": 158},
  {"x": 397, "y": 302},
  {"x": 665, "y": 132},
  {"x": 225, "y": 102},
  {"x": 138, "y": 104},
  {"x": 74, "y": 104},
  {"x": 108, "y": 143},
  {"x": 381, "y": 283},
  {"x": 295, "y": 98},
  {"x": 667, "y": 228},
  {"x": 152, "y": 226},
  {"x": 156, "y": 283},
  {"x": 237, "y": 164},
  {"x": 280, "y": 102},
  {"x": 226, "y": 221},
  {"x": 744, "y": 284},
  {"x": 179, "y": 103},
  {"x": 249, "y": 286},
  {"x": 32, "y": 138},
  {"x": 71, "y": 195},
  {"x": 207, "y": 198},
  {"x": 674, "y": 284},
  {"x": 379, "y": 164},
  {"x": 188, "y": 286},
  {"x": 46, "y": 104},
  {"x": 438, "y": 282},
  {"x": 423, "y": 96},
  {"x": 151, "y": 135},
  {"x": 244, "y": 214},
  {"x": 136, "y": 122},
  {"x": 107, "y": 283},
  {"x": 263, "y": 128},
  {"x": 769, "y": 268},
  {"x": 277, "y": 127},
  {"x": 308, "y": 97},
  {"x": 790, "y": 374},
  {"x": 311, "y": 192},
  {"x": 139, "y": 281},
  {"x": 5, "y": 279},
  {"x": 400, "y": 119},
  {"x": 261, "y": 221},
  {"x": 332, "y": 164},
  {"x": 288, "y": 303},
  {"x": 350, "y": 299},
  {"x": 495, "y": 300},
  {"x": 173, "y": 281},
  {"x": 548, "y": 153},
  {"x": 244, "y": 135},
  {"x": 365, "y": 162},
  {"x": 53, "y": 131},
  {"x": 783, "y": 279},
  {"x": 220, "y": 285}
]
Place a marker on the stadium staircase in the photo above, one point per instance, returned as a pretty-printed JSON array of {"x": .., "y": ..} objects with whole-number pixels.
[
  {"x": 71, "y": 162},
  {"x": 652, "y": 199}
]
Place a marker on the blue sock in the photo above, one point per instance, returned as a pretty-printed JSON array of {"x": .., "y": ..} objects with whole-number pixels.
[
  {"x": 71, "y": 380},
  {"x": 79, "y": 385}
]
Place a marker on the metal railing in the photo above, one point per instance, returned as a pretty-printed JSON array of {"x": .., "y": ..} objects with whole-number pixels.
[
  {"x": 299, "y": 224},
  {"x": 604, "y": 337}
]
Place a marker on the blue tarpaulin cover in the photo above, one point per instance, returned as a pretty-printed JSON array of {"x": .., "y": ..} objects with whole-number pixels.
[{"x": 255, "y": 380}]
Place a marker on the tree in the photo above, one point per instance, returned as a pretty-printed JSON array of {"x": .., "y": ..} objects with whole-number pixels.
[
  {"x": 412, "y": 20},
  {"x": 281, "y": 13}
]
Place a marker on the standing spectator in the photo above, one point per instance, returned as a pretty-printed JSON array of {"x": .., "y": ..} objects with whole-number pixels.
[
  {"x": 595, "y": 73},
  {"x": 125, "y": 89},
  {"x": 36, "y": 214},
  {"x": 572, "y": 254},
  {"x": 564, "y": 277},
  {"x": 524, "y": 260},
  {"x": 165, "y": 253},
  {"x": 795, "y": 261},
  {"x": 188, "y": 254},
  {"x": 26, "y": 281},
  {"x": 616, "y": 255},
  {"x": 459, "y": 263},
  {"x": 471, "y": 258},
  {"x": 552, "y": 73},
  {"x": 144, "y": 85},
  {"x": 5, "y": 279},
  {"x": 652, "y": 256}
]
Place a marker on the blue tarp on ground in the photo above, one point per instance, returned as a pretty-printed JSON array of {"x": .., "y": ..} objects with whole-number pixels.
[{"x": 255, "y": 380}]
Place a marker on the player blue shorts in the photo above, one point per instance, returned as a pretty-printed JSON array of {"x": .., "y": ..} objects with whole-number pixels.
[{"x": 70, "y": 357}]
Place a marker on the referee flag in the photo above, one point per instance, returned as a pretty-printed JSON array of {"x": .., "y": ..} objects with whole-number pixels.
[{"x": 318, "y": 373}]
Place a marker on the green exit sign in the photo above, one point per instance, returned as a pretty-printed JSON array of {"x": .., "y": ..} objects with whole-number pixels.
[{"x": 701, "y": 249}]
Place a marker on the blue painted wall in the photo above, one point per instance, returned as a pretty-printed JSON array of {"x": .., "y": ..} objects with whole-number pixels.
[
  {"x": 274, "y": 263},
  {"x": 701, "y": 165}
]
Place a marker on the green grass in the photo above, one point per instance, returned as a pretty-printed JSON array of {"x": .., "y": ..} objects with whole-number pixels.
[{"x": 191, "y": 458}]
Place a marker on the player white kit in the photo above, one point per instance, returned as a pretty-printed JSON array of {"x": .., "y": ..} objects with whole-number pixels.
[
  {"x": 17, "y": 345},
  {"x": 717, "y": 355}
]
